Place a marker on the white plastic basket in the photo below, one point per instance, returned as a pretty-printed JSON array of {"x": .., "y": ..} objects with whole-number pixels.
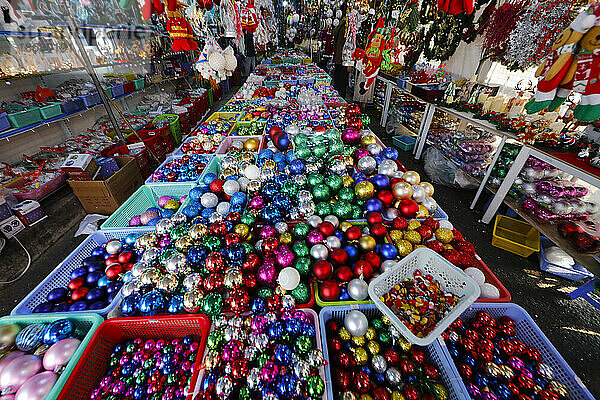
[{"x": 450, "y": 278}]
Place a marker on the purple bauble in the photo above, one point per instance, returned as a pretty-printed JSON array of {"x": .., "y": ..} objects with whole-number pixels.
[
  {"x": 473, "y": 391},
  {"x": 315, "y": 237},
  {"x": 37, "y": 387},
  {"x": 267, "y": 231},
  {"x": 269, "y": 371},
  {"x": 360, "y": 153},
  {"x": 350, "y": 136},
  {"x": 257, "y": 203},
  {"x": 285, "y": 258},
  {"x": 162, "y": 200},
  {"x": 135, "y": 221},
  {"x": 267, "y": 274}
]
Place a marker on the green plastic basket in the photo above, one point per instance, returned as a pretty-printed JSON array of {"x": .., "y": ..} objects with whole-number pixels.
[
  {"x": 85, "y": 322},
  {"x": 174, "y": 126},
  {"x": 143, "y": 198},
  {"x": 214, "y": 166},
  {"x": 108, "y": 92},
  {"x": 139, "y": 83},
  {"x": 324, "y": 303},
  {"x": 50, "y": 111},
  {"x": 25, "y": 118}
]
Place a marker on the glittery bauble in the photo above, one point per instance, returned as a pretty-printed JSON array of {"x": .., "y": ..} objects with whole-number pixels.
[
  {"x": 315, "y": 387},
  {"x": 444, "y": 235},
  {"x": 364, "y": 190},
  {"x": 366, "y": 165},
  {"x": 404, "y": 247}
]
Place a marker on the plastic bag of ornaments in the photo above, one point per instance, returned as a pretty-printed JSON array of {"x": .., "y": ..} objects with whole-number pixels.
[
  {"x": 537, "y": 170},
  {"x": 545, "y": 209},
  {"x": 473, "y": 133},
  {"x": 584, "y": 236}
]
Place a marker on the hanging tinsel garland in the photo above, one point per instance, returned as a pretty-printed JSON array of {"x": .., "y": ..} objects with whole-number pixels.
[
  {"x": 501, "y": 25},
  {"x": 535, "y": 32}
]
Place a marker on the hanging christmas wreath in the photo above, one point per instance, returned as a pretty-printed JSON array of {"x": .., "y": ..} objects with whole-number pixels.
[{"x": 444, "y": 35}]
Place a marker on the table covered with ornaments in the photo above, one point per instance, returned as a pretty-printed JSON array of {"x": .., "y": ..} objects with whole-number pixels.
[{"x": 282, "y": 252}]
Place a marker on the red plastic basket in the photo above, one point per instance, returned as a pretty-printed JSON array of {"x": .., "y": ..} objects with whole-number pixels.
[
  {"x": 141, "y": 157},
  {"x": 491, "y": 278},
  {"x": 129, "y": 87},
  {"x": 184, "y": 122},
  {"x": 153, "y": 140},
  {"x": 93, "y": 363}
]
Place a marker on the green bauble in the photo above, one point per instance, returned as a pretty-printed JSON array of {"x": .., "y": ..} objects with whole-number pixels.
[
  {"x": 178, "y": 231},
  {"x": 332, "y": 134},
  {"x": 336, "y": 148},
  {"x": 320, "y": 150},
  {"x": 366, "y": 120},
  {"x": 262, "y": 358},
  {"x": 317, "y": 139},
  {"x": 302, "y": 264},
  {"x": 385, "y": 338},
  {"x": 301, "y": 293},
  {"x": 290, "y": 188},
  {"x": 357, "y": 212},
  {"x": 141, "y": 378},
  {"x": 314, "y": 179},
  {"x": 315, "y": 387},
  {"x": 302, "y": 152},
  {"x": 322, "y": 209},
  {"x": 212, "y": 305},
  {"x": 321, "y": 192},
  {"x": 245, "y": 393},
  {"x": 300, "y": 230},
  {"x": 334, "y": 182},
  {"x": 377, "y": 324},
  {"x": 264, "y": 292},
  {"x": 247, "y": 219},
  {"x": 346, "y": 194},
  {"x": 148, "y": 364},
  {"x": 212, "y": 242},
  {"x": 342, "y": 209},
  {"x": 248, "y": 248},
  {"x": 129, "y": 380},
  {"x": 300, "y": 249},
  {"x": 214, "y": 339},
  {"x": 303, "y": 344},
  {"x": 300, "y": 139},
  {"x": 172, "y": 378}
]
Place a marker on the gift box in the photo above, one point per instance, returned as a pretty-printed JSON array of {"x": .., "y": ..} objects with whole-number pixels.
[
  {"x": 30, "y": 212},
  {"x": 81, "y": 167}
]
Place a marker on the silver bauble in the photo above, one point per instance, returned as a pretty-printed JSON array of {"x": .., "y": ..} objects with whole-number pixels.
[
  {"x": 281, "y": 227},
  {"x": 314, "y": 221},
  {"x": 131, "y": 287},
  {"x": 390, "y": 213},
  {"x": 528, "y": 188},
  {"x": 304, "y": 195},
  {"x": 356, "y": 323},
  {"x": 592, "y": 208},
  {"x": 418, "y": 193},
  {"x": 113, "y": 246},
  {"x": 176, "y": 263},
  {"x": 333, "y": 242},
  {"x": 374, "y": 148},
  {"x": 306, "y": 208},
  {"x": 315, "y": 358},
  {"x": 233, "y": 278},
  {"x": 388, "y": 168},
  {"x": 151, "y": 276},
  {"x": 393, "y": 377},
  {"x": 163, "y": 226},
  {"x": 387, "y": 264},
  {"x": 150, "y": 255},
  {"x": 253, "y": 379},
  {"x": 319, "y": 252},
  {"x": 366, "y": 165},
  {"x": 192, "y": 281},
  {"x": 138, "y": 268},
  {"x": 168, "y": 283},
  {"x": 430, "y": 204},
  {"x": 358, "y": 289},
  {"x": 333, "y": 220},
  {"x": 561, "y": 207},
  {"x": 292, "y": 129},
  {"x": 338, "y": 167},
  {"x": 302, "y": 370},
  {"x": 223, "y": 387},
  {"x": 215, "y": 217},
  {"x": 379, "y": 363},
  {"x": 178, "y": 218},
  {"x": 402, "y": 190}
]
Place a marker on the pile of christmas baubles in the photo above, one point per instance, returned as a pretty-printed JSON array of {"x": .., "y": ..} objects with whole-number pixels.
[{"x": 166, "y": 207}]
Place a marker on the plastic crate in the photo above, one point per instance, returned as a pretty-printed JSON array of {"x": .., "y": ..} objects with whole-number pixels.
[
  {"x": 153, "y": 142},
  {"x": 92, "y": 99},
  {"x": 86, "y": 323},
  {"x": 214, "y": 166},
  {"x": 515, "y": 236},
  {"x": 404, "y": 142},
  {"x": 346, "y": 303},
  {"x": 208, "y": 163},
  {"x": 575, "y": 273},
  {"x": 434, "y": 351},
  {"x": 128, "y": 87},
  {"x": 72, "y": 106},
  {"x": 226, "y": 143},
  {"x": 60, "y": 276},
  {"x": 117, "y": 90},
  {"x": 141, "y": 157},
  {"x": 174, "y": 127},
  {"x": 505, "y": 296},
  {"x": 588, "y": 291},
  {"x": 139, "y": 83},
  {"x": 451, "y": 279},
  {"x": 529, "y": 333},
  {"x": 236, "y": 127},
  {"x": 94, "y": 362},
  {"x": 142, "y": 199},
  {"x": 39, "y": 192},
  {"x": 51, "y": 111},
  {"x": 25, "y": 118},
  {"x": 4, "y": 124}
]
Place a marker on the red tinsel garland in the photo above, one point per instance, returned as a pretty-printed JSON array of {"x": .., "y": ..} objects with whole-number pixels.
[{"x": 501, "y": 25}]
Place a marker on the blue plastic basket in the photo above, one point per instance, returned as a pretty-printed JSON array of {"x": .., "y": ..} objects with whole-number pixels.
[
  {"x": 434, "y": 350},
  {"x": 575, "y": 273},
  {"x": 117, "y": 90},
  {"x": 91, "y": 100},
  {"x": 60, "y": 276},
  {"x": 529, "y": 333},
  {"x": 209, "y": 159},
  {"x": 4, "y": 124},
  {"x": 72, "y": 106}
]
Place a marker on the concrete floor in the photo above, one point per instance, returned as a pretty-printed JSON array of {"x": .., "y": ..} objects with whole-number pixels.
[{"x": 572, "y": 326}]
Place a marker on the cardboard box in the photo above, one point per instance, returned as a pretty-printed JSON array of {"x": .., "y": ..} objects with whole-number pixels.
[
  {"x": 104, "y": 197},
  {"x": 81, "y": 167},
  {"x": 29, "y": 212},
  {"x": 11, "y": 226}
]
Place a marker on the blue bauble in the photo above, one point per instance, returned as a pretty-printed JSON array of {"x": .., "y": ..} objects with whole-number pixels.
[
  {"x": 258, "y": 305},
  {"x": 175, "y": 305},
  {"x": 196, "y": 254},
  {"x": 128, "y": 369},
  {"x": 238, "y": 198},
  {"x": 276, "y": 330},
  {"x": 59, "y": 330},
  {"x": 103, "y": 281},
  {"x": 77, "y": 272},
  {"x": 154, "y": 221},
  {"x": 344, "y": 296},
  {"x": 270, "y": 189},
  {"x": 96, "y": 267},
  {"x": 388, "y": 251},
  {"x": 93, "y": 277},
  {"x": 111, "y": 297},
  {"x": 293, "y": 326},
  {"x": 352, "y": 252},
  {"x": 207, "y": 212},
  {"x": 235, "y": 253},
  {"x": 503, "y": 392},
  {"x": 152, "y": 303},
  {"x": 194, "y": 194},
  {"x": 140, "y": 392},
  {"x": 131, "y": 238},
  {"x": 282, "y": 201},
  {"x": 309, "y": 330},
  {"x": 379, "y": 378},
  {"x": 208, "y": 178},
  {"x": 30, "y": 337},
  {"x": 266, "y": 153},
  {"x": 359, "y": 176},
  {"x": 129, "y": 305},
  {"x": 380, "y": 181},
  {"x": 378, "y": 158},
  {"x": 95, "y": 294},
  {"x": 209, "y": 380},
  {"x": 98, "y": 305},
  {"x": 92, "y": 261},
  {"x": 155, "y": 209},
  {"x": 45, "y": 307},
  {"x": 283, "y": 142},
  {"x": 297, "y": 167},
  {"x": 62, "y": 307},
  {"x": 374, "y": 205},
  {"x": 57, "y": 295},
  {"x": 167, "y": 213},
  {"x": 278, "y": 157},
  {"x": 236, "y": 208},
  {"x": 271, "y": 214},
  {"x": 80, "y": 305},
  {"x": 98, "y": 251},
  {"x": 390, "y": 152},
  {"x": 366, "y": 368},
  {"x": 114, "y": 287},
  {"x": 191, "y": 211},
  {"x": 290, "y": 156},
  {"x": 286, "y": 386},
  {"x": 453, "y": 350},
  {"x": 480, "y": 379},
  {"x": 468, "y": 359}
]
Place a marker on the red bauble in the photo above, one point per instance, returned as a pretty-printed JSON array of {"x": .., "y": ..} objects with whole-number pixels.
[
  {"x": 270, "y": 244},
  {"x": 386, "y": 197},
  {"x": 322, "y": 270},
  {"x": 381, "y": 393},
  {"x": 113, "y": 271},
  {"x": 432, "y": 223},
  {"x": 392, "y": 356},
  {"x": 457, "y": 235},
  {"x": 127, "y": 266},
  {"x": 339, "y": 257},
  {"x": 219, "y": 228},
  {"x": 378, "y": 231},
  {"x": 111, "y": 260},
  {"x": 76, "y": 283},
  {"x": 374, "y": 218},
  {"x": 274, "y": 129},
  {"x": 372, "y": 259},
  {"x": 238, "y": 300},
  {"x": 251, "y": 263},
  {"x": 332, "y": 326},
  {"x": 334, "y": 343},
  {"x": 79, "y": 293},
  {"x": 213, "y": 282},
  {"x": 566, "y": 228},
  {"x": 232, "y": 238},
  {"x": 466, "y": 260},
  {"x": 344, "y": 359},
  {"x": 410, "y": 392},
  {"x": 343, "y": 274},
  {"x": 214, "y": 262},
  {"x": 364, "y": 268},
  {"x": 408, "y": 208},
  {"x": 250, "y": 280},
  {"x": 329, "y": 291},
  {"x": 126, "y": 257},
  {"x": 417, "y": 354},
  {"x": 581, "y": 241},
  {"x": 400, "y": 223},
  {"x": 274, "y": 303},
  {"x": 343, "y": 378},
  {"x": 362, "y": 381},
  {"x": 464, "y": 246},
  {"x": 327, "y": 228},
  {"x": 451, "y": 255},
  {"x": 407, "y": 367},
  {"x": 216, "y": 186},
  {"x": 425, "y": 231},
  {"x": 430, "y": 372},
  {"x": 353, "y": 233}
]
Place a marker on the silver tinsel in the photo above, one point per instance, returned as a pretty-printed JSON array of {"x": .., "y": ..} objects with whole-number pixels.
[{"x": 535, "y": 33}]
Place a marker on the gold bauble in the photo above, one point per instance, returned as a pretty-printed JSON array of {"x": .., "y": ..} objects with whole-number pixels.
[
  {"x": 168, "y": 283},
  {"x": 444, "y": 235},
  {"x": 386, "y": 320},
  {"x": 269, "y": 164},
  {"x": 192, "y": 300},
  {"x": 396, "y": 235},
  {"x": 359, "y": 340},
  {"x": 413, "y": 224},
  {"x": 423, "y": 212},
  {"x": 347, "y": 181},
  {"x": 151, "y": 276},
  {"x": 448, "y": 246},
  {"x": 413, "y": 237},
  {"x": 345, "y": 225},
  {"x": 428, "y": 188},
  {"x": 360, "y": 356},
  {"x": 402, "y": 190},
  {"x": 396, "y": 395},
  {"x": 371, "y": 333},
  {"x": 285, "y": 238},
  {"x": 172, "y": 205},
  {"x": 184, "y": 243},
  {"x": 348, "y": 160},
  {"x": 242, "y": 230},
  {"x": 367, "y": 243},
  {"x": 211, "y": 360},
  {"x": 404, "y": 247},
  {"x": 8, "y": 333},
  {"x": 247, "y": 157},
  {"x": 373, "y": 347},
  {"x": 364, "y": 190},
  {"x": 412, "y": 177},
  {"x": 365, "y": 397},
  {"x": 344, "y": 334},
  {"x": 251, "y": 144},
  {"x": 197, "y": 231},
  {"x": 146, "y": 241},
  {"x": 403, "y": 344},
  {"x": 367, "y": 140},
  {"x": 225, "y": 172}
]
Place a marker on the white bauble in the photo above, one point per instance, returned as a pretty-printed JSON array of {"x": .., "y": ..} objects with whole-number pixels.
[
  {"x": 216, "y": 61},
  {"x": 328, "y": 21},
  {"x": 338, "y": 14},
  {"x": 295, "y": 18},
  {"x": 329, "y": 13},
  {"x": 477, "y": 275},
  {"x": 336, "y": 22}
]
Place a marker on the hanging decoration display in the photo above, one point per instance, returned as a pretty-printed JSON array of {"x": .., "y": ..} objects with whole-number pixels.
[
  {"x": 150, "y": 7},
  {"x": 501, "y": 25},
  {"x": 369, "y": 59},
  {"x": 248, "y": 17},
  {"x": 444, "y": 36},
  {"x": 535, "y": 31},
  {"x": 355, "y": 19},
  {"x": 481, "y": 24},
  {"x": 266, "y": 31},
  {"x": 179, "y": 28}
]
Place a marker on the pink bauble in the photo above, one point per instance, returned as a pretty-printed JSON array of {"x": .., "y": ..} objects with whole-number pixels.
[
  {"x": 37, "y": 387},
  {"x": 135, "y": 221},
  {"x": 162, "y": 200},
  {"x": 18, "y": 371},
  {"x": 350, "y": 136},
  {"x": 182, "y": 198},
  {"x": 147, "y": 217},
  {"x": 285, "y": 258},
  {"x": 59, "y": 354},
  {"x": 267, "y": 231},
  {"x": 267, "y": 274},
  {"x": 360, "y": 153},
  {"x": 5, "y": 360}
]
